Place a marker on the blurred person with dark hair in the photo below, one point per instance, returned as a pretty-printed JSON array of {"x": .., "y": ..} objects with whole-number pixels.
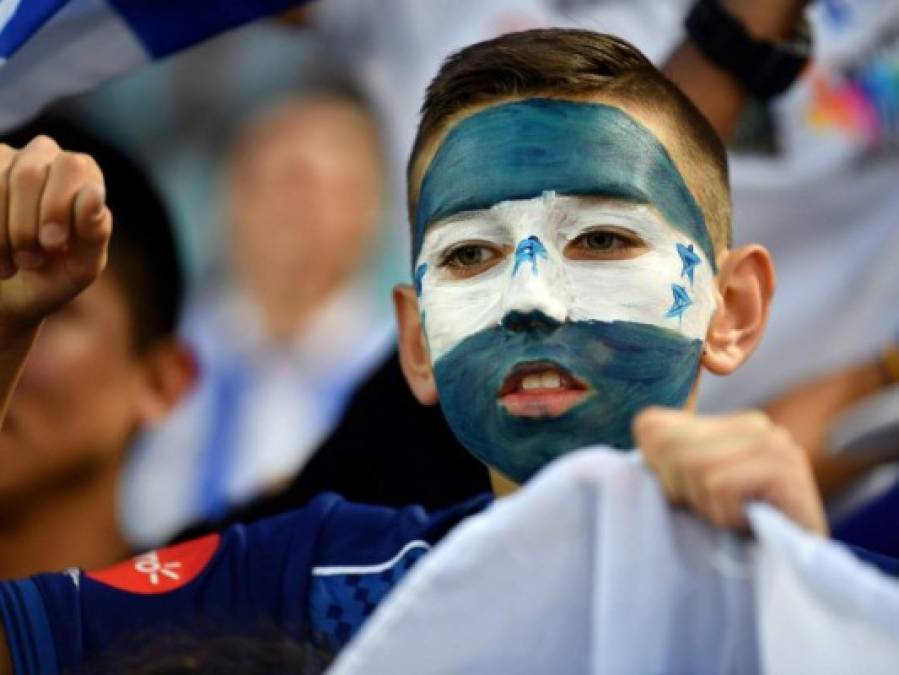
[
  {"x": 102, "y": 367},
  {"x": 292, "y": 323},
  {"x": 263, "y": 651}
]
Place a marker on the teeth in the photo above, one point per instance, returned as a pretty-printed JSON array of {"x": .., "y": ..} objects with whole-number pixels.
[
  {"x": 533, "y": 381},
  {"x": 551, "y": 380}
]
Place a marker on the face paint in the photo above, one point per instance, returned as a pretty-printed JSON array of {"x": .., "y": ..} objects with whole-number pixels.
[
  {"x": 420, "y": 272},
  {"x": 522, "y": 149},
  {"x": 557, "y": 346},
  {"x": 527, "y": 252}
]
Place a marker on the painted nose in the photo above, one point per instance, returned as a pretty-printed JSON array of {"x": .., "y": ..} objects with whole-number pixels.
[
  {"x": 536, "y": 321},
  {"x": 532, "y": 299}
]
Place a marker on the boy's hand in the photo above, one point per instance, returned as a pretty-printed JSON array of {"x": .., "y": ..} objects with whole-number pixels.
[
  {"x": 715, "y": 465},
  {"x": 54, "y": 231}
]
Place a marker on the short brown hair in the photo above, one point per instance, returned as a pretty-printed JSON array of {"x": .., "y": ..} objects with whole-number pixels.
[{"x": 555, "y": 62}]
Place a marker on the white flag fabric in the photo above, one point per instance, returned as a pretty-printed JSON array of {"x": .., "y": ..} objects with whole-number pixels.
[
  {"x": 821, "y": 610},
  {"x": 54, "y": 48},
  {"x": 588, "y": 570}
]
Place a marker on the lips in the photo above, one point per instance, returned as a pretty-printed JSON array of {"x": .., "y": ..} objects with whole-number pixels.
[{"x": 540, "y": 390}]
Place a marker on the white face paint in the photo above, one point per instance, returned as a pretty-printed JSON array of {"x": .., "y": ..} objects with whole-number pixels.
[{"x": 640, "y": 289}]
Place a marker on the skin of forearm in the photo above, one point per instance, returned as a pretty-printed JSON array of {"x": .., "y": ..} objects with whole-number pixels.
[
  {"x": 14, "y": 348},
  {"x": 808, "y": 411},
  {"x": 717, "y": 93}
]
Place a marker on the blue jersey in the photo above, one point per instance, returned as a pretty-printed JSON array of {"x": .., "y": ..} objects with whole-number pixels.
[{"x": 315, "y": 573}]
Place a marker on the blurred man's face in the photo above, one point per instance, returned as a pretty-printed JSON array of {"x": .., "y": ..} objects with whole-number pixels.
[
  {"x": 565, "y": 276},
  {"x": 75, "y": 409},
  {"x": 305, "y": 199}
]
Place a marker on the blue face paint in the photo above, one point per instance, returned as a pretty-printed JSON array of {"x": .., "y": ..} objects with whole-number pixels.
[
  {"x": 522, "y": 149},
  {"x": 689, "y": 260},
  {"x": 420, "y": 272},
  {"x": 527, "y": 252},
  {"x": 680, "y": 303},
  {"x": 628, "y": 366}
]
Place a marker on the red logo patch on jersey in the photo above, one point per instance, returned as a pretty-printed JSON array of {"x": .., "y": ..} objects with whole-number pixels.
[{"x": 161, "y": 571}]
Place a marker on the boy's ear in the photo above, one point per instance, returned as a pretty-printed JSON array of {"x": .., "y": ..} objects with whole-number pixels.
[
  {"x": 746, "y": 286},
  {"x": 169, "y": 372},
  {"x": 415, "y": 360}
]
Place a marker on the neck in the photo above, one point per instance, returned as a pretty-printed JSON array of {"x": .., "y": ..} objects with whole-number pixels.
[
  {"x": 65, "y": 524},
  {"x": 501, "y": 485},
  {"x": 288, "y": 309}
]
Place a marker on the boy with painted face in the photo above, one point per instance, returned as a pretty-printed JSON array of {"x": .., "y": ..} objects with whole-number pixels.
[
  {"x": 566, "y": 279},
  {"x": 570, "y": 222},
  {"x": 570, "y": 226}
]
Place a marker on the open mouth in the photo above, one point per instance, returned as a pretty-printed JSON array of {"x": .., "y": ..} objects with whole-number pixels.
[{"x": 540, "y": 390}]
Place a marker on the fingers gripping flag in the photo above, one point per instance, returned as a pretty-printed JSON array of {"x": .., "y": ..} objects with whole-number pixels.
[{"x": 55, "y": 48}]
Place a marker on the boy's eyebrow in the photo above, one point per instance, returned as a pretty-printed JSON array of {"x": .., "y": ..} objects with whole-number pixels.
[{"x": 522, "y": 149}]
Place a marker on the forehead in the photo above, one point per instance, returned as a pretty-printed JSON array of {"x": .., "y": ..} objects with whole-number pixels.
[{"x": 520, "y": 150}]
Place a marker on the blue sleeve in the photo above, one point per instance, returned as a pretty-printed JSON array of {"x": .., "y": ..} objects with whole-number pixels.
[
  {"x": 240, "y": 582},
  {"x": 28, "y": 632},
  {"x": 363, "y": 553}
]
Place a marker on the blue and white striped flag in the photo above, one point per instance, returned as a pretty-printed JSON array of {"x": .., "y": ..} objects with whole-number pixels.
[{"x": 54, "y": 48}]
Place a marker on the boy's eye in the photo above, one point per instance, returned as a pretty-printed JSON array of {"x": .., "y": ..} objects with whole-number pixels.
[
  {"x": 605, "y": 244},
  {"x": 470, "y": 259}
]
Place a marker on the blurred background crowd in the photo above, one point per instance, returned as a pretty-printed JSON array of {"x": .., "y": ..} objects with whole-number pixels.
[{"x": 279, "y": 151}]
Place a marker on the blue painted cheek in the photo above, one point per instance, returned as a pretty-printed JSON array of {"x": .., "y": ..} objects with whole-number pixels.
[
  {"x": 628, "y": 367},
  {"x": 527, "y": 251}
]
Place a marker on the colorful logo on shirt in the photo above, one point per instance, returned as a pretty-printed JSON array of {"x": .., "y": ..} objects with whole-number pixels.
[
  {"x": 161, "y": 571},
  {"x": 859, "y": 95},
  {"x": 863, "y": 105}
]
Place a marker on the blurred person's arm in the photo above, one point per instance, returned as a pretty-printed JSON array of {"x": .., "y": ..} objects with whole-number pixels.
[
  {"x": 54, "y": 231},
  {"x": 717, "y": 93},
  {"x": 298, "y": 16},
  {"x": 809, "y": 411}
]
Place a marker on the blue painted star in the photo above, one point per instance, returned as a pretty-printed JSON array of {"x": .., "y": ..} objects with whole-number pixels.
[
  {"x": 681, "y": 302},
  {"x": 689, "y": 259},
  {"x": 529, "y": 250},
  {"x": 420, "y": 272}
]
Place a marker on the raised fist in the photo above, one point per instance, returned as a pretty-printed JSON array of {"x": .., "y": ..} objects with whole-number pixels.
[{"x": 54, "y": 230}]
